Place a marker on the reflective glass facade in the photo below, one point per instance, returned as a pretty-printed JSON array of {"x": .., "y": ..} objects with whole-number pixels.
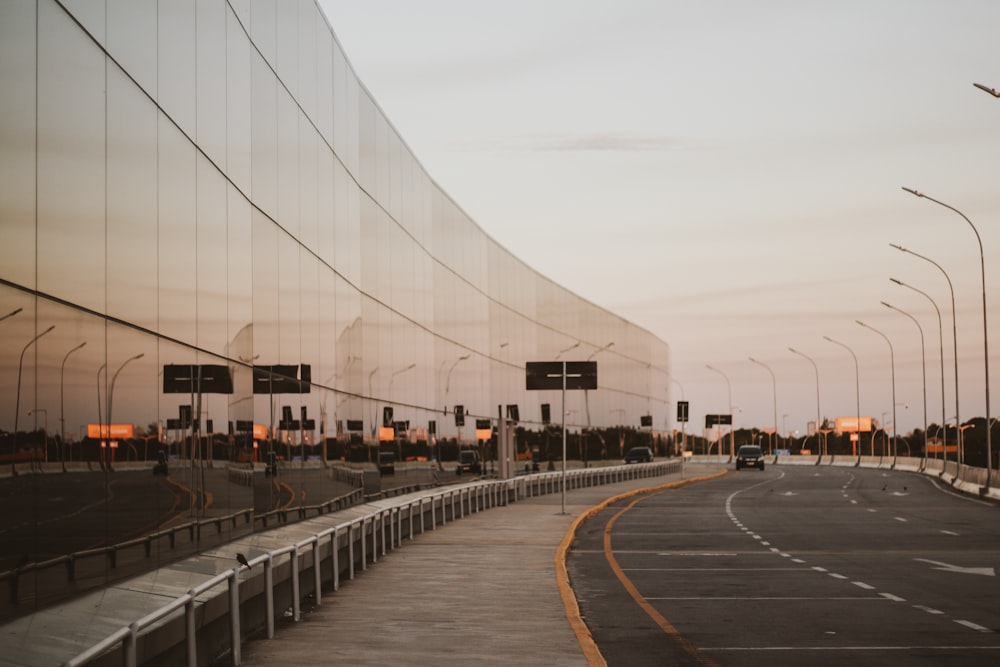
[{"x": 213, "y": 244}]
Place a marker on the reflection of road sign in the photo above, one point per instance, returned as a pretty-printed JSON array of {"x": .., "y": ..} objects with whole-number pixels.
[
  {"x": 850, "y": 424},
  {"x": 282, "y": 379},
  {"x": 459, "y": 415},
  {"x": 355, "y": 425},
  {"x": 718, "y": 420},
  {"x": 543, "y": 375},
  {"x": 197, "y": 378},
  {"x": 512, "y": 413},
  {"x": 682, "y": 411},
  {"x": 387, "y": 416},
  {"x": 546, "y": 413},
  {"x": 646, "y": 420}
]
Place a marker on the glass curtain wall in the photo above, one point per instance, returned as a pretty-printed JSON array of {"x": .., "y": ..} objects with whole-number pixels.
[{"x": 219, "y": 260}]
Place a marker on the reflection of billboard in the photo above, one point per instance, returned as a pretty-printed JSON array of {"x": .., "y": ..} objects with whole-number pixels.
[
  {"x": 850, "y": 425},
  {"x": 104, "y": 431}
]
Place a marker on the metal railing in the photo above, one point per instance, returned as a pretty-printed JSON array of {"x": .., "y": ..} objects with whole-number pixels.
[{"x": 343, "y": 547}]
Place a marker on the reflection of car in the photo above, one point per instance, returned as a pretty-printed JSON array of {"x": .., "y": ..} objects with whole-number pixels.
[
  {"x": 160, "y": 467},
  {"x": 468, "y": 461},
  {"x": 639, "y": 455},
  {"x": 387, "y": 463},
  {"x": 750, "y": 456},
  {"x": 271, "y": 464}
]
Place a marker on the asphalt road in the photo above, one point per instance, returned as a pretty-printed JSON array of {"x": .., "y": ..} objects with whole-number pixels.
[{"x": 793, "y": 566}]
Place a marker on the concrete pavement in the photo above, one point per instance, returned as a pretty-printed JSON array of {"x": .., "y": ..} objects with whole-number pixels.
[{"x": 480, "y": 590}]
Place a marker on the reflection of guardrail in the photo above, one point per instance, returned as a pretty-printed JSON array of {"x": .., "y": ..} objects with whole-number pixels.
[{"x": 205, "y": 621}]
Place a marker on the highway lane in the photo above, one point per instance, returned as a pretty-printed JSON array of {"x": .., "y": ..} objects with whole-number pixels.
[{"x": 792, "y": 566}]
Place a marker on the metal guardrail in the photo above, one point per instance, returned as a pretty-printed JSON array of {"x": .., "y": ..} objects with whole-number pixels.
[{"x": 358, "y": 541}]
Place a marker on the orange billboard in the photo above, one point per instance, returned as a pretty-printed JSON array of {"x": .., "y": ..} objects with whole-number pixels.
[
  {"x": 850, "y": 425},
  {"x": 110, "y": 431}
]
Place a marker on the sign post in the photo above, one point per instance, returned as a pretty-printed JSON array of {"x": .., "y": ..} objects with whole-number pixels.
[{"x": 562, "y": 375}]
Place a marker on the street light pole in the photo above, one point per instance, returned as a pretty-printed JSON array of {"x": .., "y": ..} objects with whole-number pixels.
[
  {"x": 774, "y": 396},
  {"x": 923, "y": 361},
  {"x": 892, "y": 371},
  {"x": 683, "y": 423},
  {"x": 986, "y": 340},
  {"x": 857, "y": 390},
  {"x": 732, "y": 435},
  {"x": 941, "y": 338},
  {"x": 954, "y": 342},
  {"x": 819, "y": 426}
]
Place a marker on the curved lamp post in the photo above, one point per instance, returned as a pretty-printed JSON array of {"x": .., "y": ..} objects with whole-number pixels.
[
  {"x": 941, "y": 338},
  {"x": 954, "y": 341},
  {"x": 732, "y": 435},
  {"x": 986, "y": 340},
  {"x": 774, "y": 397},
  {"x": 816, "y": 370},
  {"x": 923, "y": 362},
  {"x": 17, "y": 401},
  {"x": 62, "y": 420},
  {"x": 892, "y": 371},
  {"x": 857, "y": 389}
]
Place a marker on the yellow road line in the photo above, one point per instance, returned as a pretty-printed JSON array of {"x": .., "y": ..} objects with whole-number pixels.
[{"x": 590, "y": 650}]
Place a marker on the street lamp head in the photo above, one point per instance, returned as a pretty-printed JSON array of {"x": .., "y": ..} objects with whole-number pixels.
[
  {"x": 913, "y": 192},
  {"x": 991, "y": 91}
]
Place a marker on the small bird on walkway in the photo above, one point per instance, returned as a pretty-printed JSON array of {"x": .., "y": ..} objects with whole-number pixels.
[{"x": 242, "y": 560}]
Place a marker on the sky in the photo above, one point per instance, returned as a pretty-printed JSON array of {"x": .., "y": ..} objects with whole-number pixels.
[{"x": 728, "y": 176}]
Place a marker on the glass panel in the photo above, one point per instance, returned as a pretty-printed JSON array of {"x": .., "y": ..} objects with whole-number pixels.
[
  {"x": 17, "y": 136},
  {"x": 132, "y": 39},
  {"x": 211, "y": 80},
  {"x": 132, "y": 195},
  {"x": 212, "y": 272},
  {"x": 237, "y": 104},
  {"x": 71, "y": 175},
  {"x": 178, "y": 235},
  {"x": 176, "y": 62},
  {"x": 265, "y": 138}
]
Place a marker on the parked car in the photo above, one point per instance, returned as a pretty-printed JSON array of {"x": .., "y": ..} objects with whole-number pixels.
[
  {"x": 468, "y": 461},
  {"x": 639, "y": 455},
  {"x": 387, "y": 463},
  {"x": 750, "y": 456}
]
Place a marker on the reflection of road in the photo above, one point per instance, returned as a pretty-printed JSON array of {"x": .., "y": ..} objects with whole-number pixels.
[{"x": 46, "y": 516}]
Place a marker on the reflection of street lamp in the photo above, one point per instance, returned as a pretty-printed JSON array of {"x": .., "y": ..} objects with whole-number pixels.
[
  {"x": 986, "y": 344},
  {"x": 447, "y": 383},
  {"x": 892, "y": 376},
  {"x": 571, "y": 347},
  {"x": 732, "y": 435},
  {"x": 819, "y": 426},
  {"x": 857, "y": 389},
  {"x": 371, "y": 399},
  {"x": 586, "y": 392},
  {"x": 774, "y": 395},
  {"x": 17, "y": 402},
  {"x": 111, "y": 390},
  {"x": 393, "y": 376},
  {"x": 941, "y": 339},
  {"x": 954, "y": 337},
  {"x": 11, "y": 314},
  {"x": 62, "y": 421}
]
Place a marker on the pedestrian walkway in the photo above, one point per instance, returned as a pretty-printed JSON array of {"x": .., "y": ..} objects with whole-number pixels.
[{"x": 482, "y": 590}]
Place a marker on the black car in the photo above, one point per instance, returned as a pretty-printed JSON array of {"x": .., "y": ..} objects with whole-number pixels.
[
  {"x": 750, "y": 456},
  {"x": 639, "y": 455},
  {"x": 468, "y": 461}
]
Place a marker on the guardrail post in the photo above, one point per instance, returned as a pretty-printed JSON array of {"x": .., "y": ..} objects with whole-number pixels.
[
  {"x": 364, "y": 545},
  {"x": 268, "y": 595},
  {"x": 376, "y": 523},
  {"x": 295, "y": 583},
  {"x": 335, "y": 557},
  {"x": 190, "y": 636},
  {"x": 234, "y": 616},
  {"x": 128, "y": 646},
  {"x": 350, "y": 551},
  {"x": 317, "y": 572},
  {"x": 433, "y": 514}
]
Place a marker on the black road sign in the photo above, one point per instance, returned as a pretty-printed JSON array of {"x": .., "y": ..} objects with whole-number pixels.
[
  {"x": 682, "y": 411},
  {"x": 545, "y": 375},
  {"x": 718, "y": 420},
  {"x": 197, "y": 378}
]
